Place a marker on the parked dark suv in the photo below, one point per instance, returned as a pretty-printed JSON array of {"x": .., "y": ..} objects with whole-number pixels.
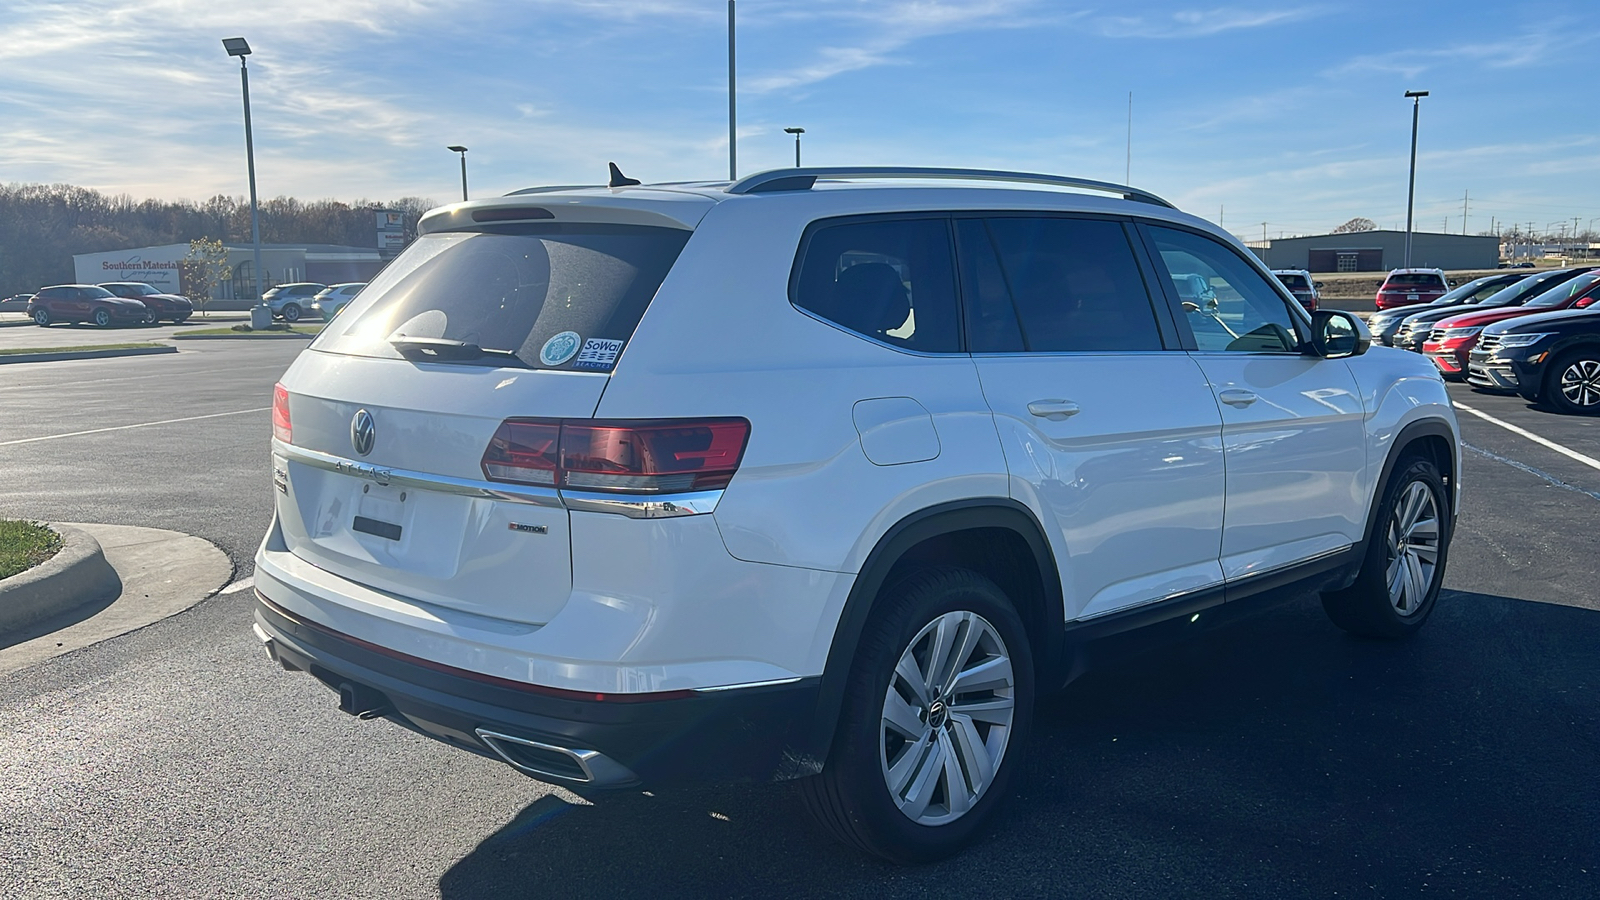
[{"x": 1551, "y": 358}]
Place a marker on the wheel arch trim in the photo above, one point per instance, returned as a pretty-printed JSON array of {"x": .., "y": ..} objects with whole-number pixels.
[{"x": 914, "y": 529}]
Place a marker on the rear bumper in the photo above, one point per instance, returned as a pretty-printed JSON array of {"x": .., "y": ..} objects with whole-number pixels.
[{"x": 563, "y": 737}]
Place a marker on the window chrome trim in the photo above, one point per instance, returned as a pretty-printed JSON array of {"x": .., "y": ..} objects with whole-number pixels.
[{"x": 634, "y": 506}]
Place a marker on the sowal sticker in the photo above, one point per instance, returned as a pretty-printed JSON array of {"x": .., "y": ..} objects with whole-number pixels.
[
  {"x": 560, "y": 348},
  {"x": 598, "y": 353}
]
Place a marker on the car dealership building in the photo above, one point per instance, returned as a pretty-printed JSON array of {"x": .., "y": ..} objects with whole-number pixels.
[
  {"x": 162, "y": 267},
  {"x": 1380, "y": 251}
]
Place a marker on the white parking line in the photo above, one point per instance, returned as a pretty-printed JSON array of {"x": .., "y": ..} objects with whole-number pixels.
[
  {"x": 52, "y": 437},
  {"x": 243, "y": 584},
  {"x": 1589, "y": 461}
]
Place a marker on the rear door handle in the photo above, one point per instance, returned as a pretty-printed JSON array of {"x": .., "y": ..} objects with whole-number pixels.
[
  {"x": 1238, "y": 398},
  {"x": 1054, "y": 410}
]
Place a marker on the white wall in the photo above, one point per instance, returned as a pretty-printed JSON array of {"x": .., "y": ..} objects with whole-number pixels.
[{"x": 155, "y": 266}]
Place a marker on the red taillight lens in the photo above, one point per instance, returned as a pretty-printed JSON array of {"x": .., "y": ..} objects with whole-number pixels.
[
  {"x": 635, "y": 457},
  {"x": 652, "y": 457},
  {"x": 524, "y": 451},
  {"x": 280, "y": 414}
]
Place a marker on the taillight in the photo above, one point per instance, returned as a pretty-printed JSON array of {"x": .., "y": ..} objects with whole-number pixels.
[
  {"x": 280, "y": 414},
  {"x": 634, "y": 457},
  {"x": 523, "y": 451}
]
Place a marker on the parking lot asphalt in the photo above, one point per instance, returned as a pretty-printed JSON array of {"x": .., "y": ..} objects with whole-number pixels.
[{"x": 1276, "y": 757}]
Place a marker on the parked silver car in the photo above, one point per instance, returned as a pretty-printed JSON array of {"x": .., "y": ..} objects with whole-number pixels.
[
  {"x": 333, "y": 298},
  {"x": 290, "y": 302}
]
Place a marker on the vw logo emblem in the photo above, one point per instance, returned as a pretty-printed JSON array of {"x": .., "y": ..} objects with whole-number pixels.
[{"x": 363, "y": 431}]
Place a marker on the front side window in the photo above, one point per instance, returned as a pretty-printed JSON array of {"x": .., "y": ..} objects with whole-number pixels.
[
  {"x": 1227, "y": 303},
  {"x": 891, "y": 280},
  {"x": 1052, "y": 285}
]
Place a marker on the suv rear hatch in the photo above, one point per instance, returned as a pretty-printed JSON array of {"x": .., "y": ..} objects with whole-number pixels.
[{"x": 390, "y": 411}]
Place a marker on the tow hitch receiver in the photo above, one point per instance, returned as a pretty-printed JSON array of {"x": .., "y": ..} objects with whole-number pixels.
[{"x": 361, "y": 701}]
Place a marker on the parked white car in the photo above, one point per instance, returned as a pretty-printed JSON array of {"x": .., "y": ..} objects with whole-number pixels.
[
  {"x": 328, "y": 301},
  {"x": 825, "y": 474}
]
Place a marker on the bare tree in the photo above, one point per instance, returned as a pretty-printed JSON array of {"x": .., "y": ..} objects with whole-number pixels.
[
  {"x": 1357, "y": 224},
  {"x": 204, "y": 269}
]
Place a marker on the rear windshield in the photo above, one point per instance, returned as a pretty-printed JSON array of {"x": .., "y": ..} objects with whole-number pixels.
[
  {"x": 1294, "y": 282},
  {"x": 1414, "y": 279},
  {"x": 559, "y": 296},
  {"x": 1515, "y": 294}
]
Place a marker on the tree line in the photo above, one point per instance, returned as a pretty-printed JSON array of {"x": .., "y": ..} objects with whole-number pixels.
[{"x": 43, "y": 225}]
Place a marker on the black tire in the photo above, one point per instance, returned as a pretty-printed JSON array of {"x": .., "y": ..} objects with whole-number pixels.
[
  {"x": 41, "y": 317},
  {"x": 851, "y": 799},
  {"x": 1572, "y": 382},
  {"x": 291, "y": 314},
  {"x": 1369, "y": 607},
  {"x": 102, "y": 318}
]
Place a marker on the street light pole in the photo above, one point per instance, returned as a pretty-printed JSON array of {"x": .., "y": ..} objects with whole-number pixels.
[
  {"x": 733, "y": 134},
  {"x": 260, "y": 315},
  {"x": 457, "y": 148},
  {"x": 796, "y": 132},
  {"x": 1411, "y": 189}
]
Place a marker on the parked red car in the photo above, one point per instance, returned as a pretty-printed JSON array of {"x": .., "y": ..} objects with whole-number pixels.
[
  {"x": 163, "y": 306},
  {"x": 1452, "y": 339},
  {"x": 1408, "y": 287},
  {"x": 85, "y": 303}
]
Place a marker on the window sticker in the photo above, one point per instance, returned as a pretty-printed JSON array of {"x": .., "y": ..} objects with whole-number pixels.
[
  {"x": 598, "y": 353},
  {"x": 560, "y": 348}
]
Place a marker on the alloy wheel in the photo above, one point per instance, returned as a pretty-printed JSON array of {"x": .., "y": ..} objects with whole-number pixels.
[
  {"x": 947, "y": 718},
  {"x": 1580, "y": 383},
  {"x": 1413, "y": 543}
]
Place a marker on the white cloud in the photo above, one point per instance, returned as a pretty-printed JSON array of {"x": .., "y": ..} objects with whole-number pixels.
[
  {"x": 1551, "y": 43},
  {"x": 1199, "y": 23}
]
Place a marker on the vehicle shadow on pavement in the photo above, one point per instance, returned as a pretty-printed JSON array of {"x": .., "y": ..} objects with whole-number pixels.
[{"x": 1275, "y": 757}]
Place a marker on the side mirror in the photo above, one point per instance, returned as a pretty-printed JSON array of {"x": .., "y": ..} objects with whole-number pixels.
[
  {"x": 1585, "y": 302},
  {"x": 1317, "y": 284},
  {"x": 1336, "y": 333}
]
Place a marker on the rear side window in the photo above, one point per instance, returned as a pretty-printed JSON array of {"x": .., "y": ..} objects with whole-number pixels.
[
  {"x": 891, "y": 280},
  {"x": 1054, "y": 285},
  {"x": 1294, "y": 282},
  {"x": 559, "y": 296}
]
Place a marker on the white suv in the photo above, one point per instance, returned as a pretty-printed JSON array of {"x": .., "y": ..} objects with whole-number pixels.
[{"x": 825, "y": 474}]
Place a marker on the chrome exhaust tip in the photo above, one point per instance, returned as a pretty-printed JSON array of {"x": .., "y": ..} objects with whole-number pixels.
[{"x": 549, "y": 762}]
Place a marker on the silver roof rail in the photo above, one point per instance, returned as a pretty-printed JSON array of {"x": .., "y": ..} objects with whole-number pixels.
[{"x": 801, "y": 179}]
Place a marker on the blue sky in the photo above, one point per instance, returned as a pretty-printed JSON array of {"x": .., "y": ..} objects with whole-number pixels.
[{"x": 1286, "y": 113}]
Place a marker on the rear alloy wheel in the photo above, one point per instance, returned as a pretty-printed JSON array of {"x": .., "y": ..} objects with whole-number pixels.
[
  {"x": 938, "y": 705},
  {"x": 291, "y": 313},
  {"x": 1400, "y": 576},
  {"x": 1574, "y": 383},
  {"x": 102, "y": 317},
  {"x": 41, "y": 317}
]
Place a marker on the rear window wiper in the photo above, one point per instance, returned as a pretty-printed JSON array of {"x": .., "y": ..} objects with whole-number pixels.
[{"x": 420, "y": 349}]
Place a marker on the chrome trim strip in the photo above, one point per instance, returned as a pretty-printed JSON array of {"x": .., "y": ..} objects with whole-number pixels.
[
  {"x": 1326, "y": 554},
  {"x": 444, "y": 484},
  {"x": 634, "y": 506},
  {"x": 749, "y": 684}
]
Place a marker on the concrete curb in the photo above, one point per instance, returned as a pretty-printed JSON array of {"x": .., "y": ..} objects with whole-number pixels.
[
  {"x": 76, "y": 576},
  {"x": 243, "y": 336},
  {"x": 82, "y": 354},
  {"x": 159, "y": 574}
]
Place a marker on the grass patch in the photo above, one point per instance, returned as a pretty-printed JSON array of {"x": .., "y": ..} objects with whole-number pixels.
[
  {"x": 246, "y": 330},
  {"x": 24, "y": 545},
  {"x": 13, "y": 351}
]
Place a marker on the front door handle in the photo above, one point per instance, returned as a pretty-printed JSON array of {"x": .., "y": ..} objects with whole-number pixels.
[
  {"x": 1238, "y": 398},
  {"x": 1054, "y": 410}
]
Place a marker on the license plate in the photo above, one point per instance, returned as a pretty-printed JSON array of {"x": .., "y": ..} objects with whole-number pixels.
[
  {"x": 380, "y": 511},
  {"x": 1413, "y": 297}
]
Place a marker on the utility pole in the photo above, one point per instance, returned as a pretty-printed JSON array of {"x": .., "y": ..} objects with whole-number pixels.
[
  {"x": 1464, "y": 212},
  {"x": 1263, "y": 232},
  {"x": 1127, "y": 172},
  {"x": 1220, "y": 209},
  {"x": 733, "y": 136}
]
